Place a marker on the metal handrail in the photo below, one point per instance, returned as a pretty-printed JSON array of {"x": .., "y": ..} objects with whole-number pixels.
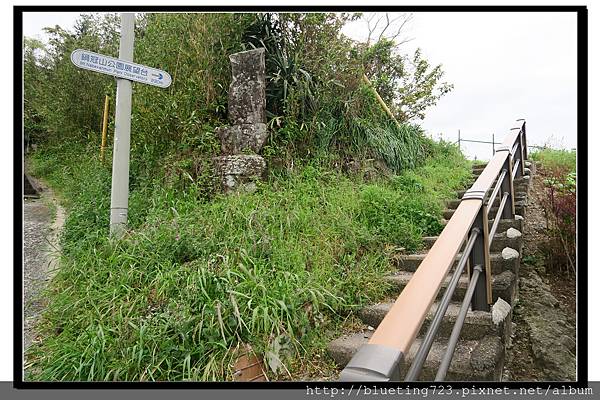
[
  {"x": 381, "y": 357},
  {"x": 497, "y": 188},
  {"x": 497, "y": 218},
  {"x": 423, "y": 351},
  {"x": 514, "y": 148},
  {"x": 515, "y": 168},
  {"x": 456, "y": 329}
]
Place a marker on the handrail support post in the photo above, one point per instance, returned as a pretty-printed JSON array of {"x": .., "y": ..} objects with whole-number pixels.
[
  {"x": 507, "y": 186},
  {"x": 480, "y": 255}
]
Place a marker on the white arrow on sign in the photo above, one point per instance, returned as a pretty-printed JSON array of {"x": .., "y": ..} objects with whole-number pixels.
[{"x": 120, "y": 68}]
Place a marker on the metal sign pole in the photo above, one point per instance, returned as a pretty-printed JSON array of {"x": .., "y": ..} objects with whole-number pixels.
[
  {"x": 120, "y": 172},
  {"x": 104, "y": 126}
]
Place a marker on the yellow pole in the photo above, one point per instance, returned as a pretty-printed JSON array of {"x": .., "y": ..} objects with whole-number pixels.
[
  {"x": 380, "y": 100},
  {"x": 104, "y": 124}
]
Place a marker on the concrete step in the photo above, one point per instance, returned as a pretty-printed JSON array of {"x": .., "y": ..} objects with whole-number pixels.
[
  {"x": 480, "y": 167},
  {"x": 503, "y": 285},
  {"x": 501, "y": 240},
  {"x": 520, "y": 199},
  {"x": 30, "y": 189},
  {"x": 499, "y": 263},
  {"x": 523, "y": 180},
  {"x": 503, "y": 226},
  {"x": 520, "y": 191},
  {"x": 473, "y": 360},
  {"x": 477, "y": 324},
  {"x": 478, "y": 171},
  {"x": 519, "y": 209}
]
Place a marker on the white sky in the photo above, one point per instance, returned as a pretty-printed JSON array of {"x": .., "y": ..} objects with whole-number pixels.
[{"x": 503, "y": 66}]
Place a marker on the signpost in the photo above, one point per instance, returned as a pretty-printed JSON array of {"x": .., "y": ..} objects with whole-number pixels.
[
  {"x": 126, "y": 71},
  {"x": 120, "y": 67}
]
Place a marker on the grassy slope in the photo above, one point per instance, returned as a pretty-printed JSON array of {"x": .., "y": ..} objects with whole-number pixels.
[{"x": 279, "y": 268}]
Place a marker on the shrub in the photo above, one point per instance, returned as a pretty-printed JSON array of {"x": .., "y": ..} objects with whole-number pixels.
[
  {"x": 558, "y": 170},
  {"x": 318, "y": 106},
  {"x": 560, "y": 207}
]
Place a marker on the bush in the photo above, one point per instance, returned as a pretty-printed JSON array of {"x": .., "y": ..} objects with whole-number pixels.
[{"x": 558, "y": 170}]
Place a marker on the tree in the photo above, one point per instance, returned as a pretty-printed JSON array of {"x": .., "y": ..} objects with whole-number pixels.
[{"x": 408, "y": 84}]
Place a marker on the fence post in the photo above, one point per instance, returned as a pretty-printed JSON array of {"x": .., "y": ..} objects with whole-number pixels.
[
  {"x": 459, "y": 139},
  {"x": 493, "y": 145}
]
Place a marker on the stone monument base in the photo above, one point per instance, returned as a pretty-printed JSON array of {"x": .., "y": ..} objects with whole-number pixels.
[{"x": 239, "y": 172}]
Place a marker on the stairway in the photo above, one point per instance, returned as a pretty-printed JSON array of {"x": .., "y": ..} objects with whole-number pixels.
[{"x": 479, "y": 354}]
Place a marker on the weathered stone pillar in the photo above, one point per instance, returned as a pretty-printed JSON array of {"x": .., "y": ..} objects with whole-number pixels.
[{"x": 238, "y": 167}]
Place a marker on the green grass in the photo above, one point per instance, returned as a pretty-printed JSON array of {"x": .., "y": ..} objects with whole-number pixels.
[
  {"x": 556, "y": 159},
  {"x": 279, "y": 268}
]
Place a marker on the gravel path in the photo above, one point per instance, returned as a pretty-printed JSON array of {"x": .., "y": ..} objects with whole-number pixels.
[{"x": 40, "y": 241}]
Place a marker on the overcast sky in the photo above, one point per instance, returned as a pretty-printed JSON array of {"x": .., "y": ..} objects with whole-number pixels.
[{"x": 503, "y": 66}]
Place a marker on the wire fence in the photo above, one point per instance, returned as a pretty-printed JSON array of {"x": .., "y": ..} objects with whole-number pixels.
[{"x": 492, "y": 142}]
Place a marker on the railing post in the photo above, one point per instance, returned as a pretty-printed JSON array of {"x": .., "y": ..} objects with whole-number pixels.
[
  {"x": 517, "y": 154},
  {"x": 521, "y": 170},
  {"x": 507, "y": 186},
  {"x": 480, "y": 255},
  {"x": 523, "y": 141}
]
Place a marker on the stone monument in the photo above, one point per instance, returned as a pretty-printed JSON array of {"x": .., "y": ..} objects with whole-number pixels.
[{"x": 240, "y": 165}]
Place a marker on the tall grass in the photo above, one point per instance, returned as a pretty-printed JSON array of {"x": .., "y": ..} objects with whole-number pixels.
[
  {"x": 401, "y": 147},
  {"x": 556, "y": 158},
  {"x": 194, "y": 279}
]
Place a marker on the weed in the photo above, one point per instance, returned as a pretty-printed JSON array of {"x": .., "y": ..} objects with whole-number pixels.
[{"x": 195, "y": 278}]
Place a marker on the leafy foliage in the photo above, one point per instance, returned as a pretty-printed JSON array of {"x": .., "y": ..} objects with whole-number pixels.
[
  {"x": 409, "y": 84},
  {"x": 316, "y": 101}
]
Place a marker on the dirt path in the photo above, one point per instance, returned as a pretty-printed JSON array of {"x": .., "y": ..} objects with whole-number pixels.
[{"x": 43, "y": 219}]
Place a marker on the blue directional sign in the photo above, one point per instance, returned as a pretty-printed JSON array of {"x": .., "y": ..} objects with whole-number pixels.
[{"x": 121, "y": 69}]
